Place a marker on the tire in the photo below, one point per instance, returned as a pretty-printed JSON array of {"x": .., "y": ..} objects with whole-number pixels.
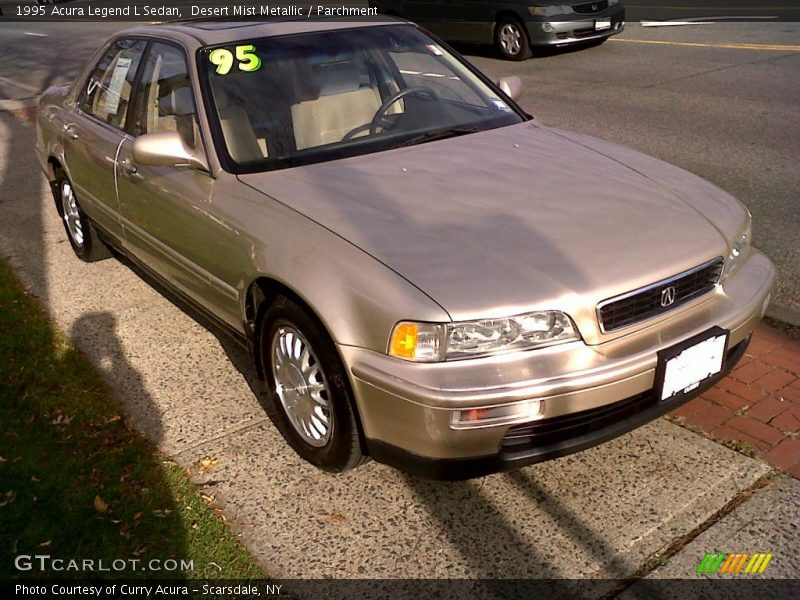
[
  {"x": 286, "y": 333},
  {"x": 81, "y": 234},
  {"x": 511, "y": 39}
]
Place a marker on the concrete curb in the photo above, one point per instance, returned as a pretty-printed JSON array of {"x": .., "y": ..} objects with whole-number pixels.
[
  {"x": 785, "y": 315},
  {"x": 14, "y": 105}
]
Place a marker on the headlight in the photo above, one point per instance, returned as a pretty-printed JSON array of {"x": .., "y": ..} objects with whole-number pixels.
[
  {"x": 427, "y": 342},
  {"x": 613, "y": 2},
  {"x": 549, "y": 11},
  {"x": 740, "y": 247}
]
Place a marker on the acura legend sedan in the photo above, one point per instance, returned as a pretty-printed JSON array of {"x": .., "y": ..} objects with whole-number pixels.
[{"x": 423, "y": 273}]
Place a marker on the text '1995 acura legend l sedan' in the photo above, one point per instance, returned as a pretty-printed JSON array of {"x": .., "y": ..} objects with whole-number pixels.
[{"x": 422, "y": 272}]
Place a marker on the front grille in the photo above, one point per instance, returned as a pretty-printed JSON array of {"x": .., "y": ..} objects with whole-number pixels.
[
  {"x": 591, "y": 7},
  {"x": 645, "y": 303}
]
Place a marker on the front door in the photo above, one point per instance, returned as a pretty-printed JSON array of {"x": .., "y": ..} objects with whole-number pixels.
[
  {"x": 165, "y": 210},
  {"x": 93, "y": 132}
]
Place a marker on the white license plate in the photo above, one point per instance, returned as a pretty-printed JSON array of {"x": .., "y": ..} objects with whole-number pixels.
[
  {"x": 600, "y": 24},
  {"x": 687, "y": 370}
]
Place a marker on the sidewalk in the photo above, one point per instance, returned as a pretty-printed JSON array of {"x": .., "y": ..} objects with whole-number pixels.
[{"x": 757, "y": 407}]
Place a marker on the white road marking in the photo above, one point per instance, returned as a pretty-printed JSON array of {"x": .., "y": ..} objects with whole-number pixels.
[
  {"x": 699, "y": 21},
  {"x": 674, "y": 23},
  {"x": 34, "y": 34},
  {"x": 19, "y": 84}
]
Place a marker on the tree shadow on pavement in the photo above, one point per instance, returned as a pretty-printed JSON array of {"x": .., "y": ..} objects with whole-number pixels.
[{"x": 494, "y": 549}]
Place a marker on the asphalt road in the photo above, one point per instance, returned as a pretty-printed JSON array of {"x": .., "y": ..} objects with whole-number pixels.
[{"x": 726, "y": 113}]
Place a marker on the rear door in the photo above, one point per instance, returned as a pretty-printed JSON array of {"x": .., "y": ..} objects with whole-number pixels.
[
  {"x": 95, "y": 128},
  {"x": 469, "y": 21},
  {"x": 426, "y": 13}
]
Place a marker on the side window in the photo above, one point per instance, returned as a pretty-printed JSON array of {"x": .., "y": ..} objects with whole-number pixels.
[
  {"x": 107, "y": 93},
  {"x": 166, "y": 101}
]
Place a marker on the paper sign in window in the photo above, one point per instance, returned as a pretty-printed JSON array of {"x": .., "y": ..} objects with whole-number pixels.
[{"x": 115, "y": 86}]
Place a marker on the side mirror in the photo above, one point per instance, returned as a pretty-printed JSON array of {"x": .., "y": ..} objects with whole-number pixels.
[
  {"x": 166, "y": 149},
  {"x": 511, "y": 86}
]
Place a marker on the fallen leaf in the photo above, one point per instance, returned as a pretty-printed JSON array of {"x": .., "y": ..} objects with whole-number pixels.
[
  {"x": 45, "y": 544},
  {"x": 137, "y": 516},
  {"x": 337, "y": 518},
  {"x": 100, "y": 504},
  {"x": 206, "y": 464},
  {"x": 62, "y": 420},
  {"x": 35, "y": 479}
]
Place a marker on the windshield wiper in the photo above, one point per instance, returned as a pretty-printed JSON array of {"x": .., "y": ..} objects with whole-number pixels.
[{"x": 439, "y": 134}]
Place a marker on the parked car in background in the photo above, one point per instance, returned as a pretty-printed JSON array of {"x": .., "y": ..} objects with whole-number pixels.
[
  {"x": 513, "y": 26},
  {"x": 423, "y": 273}
]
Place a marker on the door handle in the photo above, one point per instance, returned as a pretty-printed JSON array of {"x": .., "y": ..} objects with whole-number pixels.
[
  {"x": 129, "y": 168},
  {"x": 71, "y": 132}
]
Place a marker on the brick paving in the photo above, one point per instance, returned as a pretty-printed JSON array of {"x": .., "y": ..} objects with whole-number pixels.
[{"x": 758, "y": 404}]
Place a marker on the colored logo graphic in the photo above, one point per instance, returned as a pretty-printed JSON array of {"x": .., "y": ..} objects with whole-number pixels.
[{"x": 719, "y": 562}]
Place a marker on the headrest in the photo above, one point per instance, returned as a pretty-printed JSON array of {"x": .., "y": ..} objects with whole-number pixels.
[
  {"x": 221, "y": 97},
  {"x": 178, "y": 102},
  {"x": 337, "y": 78}
]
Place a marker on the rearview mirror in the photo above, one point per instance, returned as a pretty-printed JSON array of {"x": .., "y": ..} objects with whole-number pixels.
[
  {"x": 166, "y": 149},
  {"x": 511, "y": 86}
]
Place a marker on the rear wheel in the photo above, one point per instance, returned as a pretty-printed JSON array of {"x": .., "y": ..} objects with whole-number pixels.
[
  {"x": 309, "y": 394},
  {"x": 511, "y": 39},
  {"x": 82, "y": 235}
]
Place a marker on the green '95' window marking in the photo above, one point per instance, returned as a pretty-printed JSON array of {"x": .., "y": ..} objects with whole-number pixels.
[{"x": 246, "y": 56}]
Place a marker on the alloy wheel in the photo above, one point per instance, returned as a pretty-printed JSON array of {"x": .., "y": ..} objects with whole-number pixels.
[
  {"x": 511, "y": 39},
  {"x": 72, "y": 216},
  {"x": 301, "y": 386}
]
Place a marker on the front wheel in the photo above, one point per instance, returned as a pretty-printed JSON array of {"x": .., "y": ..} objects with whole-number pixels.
[
  {"x": 511, "y": 39},
  {"x": 307, "y": 387}
]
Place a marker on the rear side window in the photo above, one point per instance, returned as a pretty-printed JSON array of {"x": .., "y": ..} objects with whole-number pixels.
[{"x": 108, "y": 92}]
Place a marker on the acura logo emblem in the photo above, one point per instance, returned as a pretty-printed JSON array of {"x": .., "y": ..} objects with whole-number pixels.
[
  {"x": 594, "y": 6},
  {"x": 668, "y": 296}
]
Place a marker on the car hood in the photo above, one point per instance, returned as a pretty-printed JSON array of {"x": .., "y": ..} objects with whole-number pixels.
[{"x": 509, "y": 220}]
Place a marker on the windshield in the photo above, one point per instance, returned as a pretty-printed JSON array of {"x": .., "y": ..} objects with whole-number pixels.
[{"x": 298, "y": 99}]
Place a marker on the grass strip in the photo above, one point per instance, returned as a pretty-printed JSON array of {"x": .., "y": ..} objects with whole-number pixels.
[{"x": 76, "y": 483}]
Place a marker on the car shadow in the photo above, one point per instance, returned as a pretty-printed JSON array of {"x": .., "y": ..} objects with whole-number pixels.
[{"x": 538, "y": 52}]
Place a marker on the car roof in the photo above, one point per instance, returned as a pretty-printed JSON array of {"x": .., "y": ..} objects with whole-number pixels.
[{"x": 211, "y": 33}]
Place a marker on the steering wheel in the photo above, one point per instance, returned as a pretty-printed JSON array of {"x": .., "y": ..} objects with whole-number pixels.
[{"x": 383, "y": 121}]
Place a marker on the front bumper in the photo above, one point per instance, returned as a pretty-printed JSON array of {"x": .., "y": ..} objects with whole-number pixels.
[
  {"x": 544, "y": 31},
  {"x": 406, "y": 408}
]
